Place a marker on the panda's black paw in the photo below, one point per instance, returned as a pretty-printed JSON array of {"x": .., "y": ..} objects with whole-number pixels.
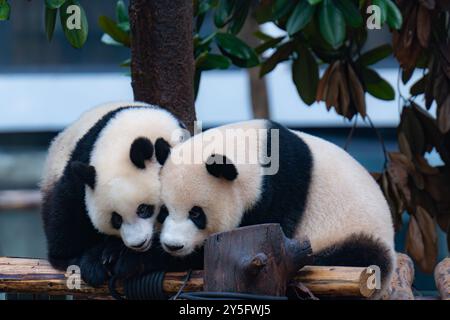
[
  {"x": 128, "y": 264},
  {"x": 93, "y": 271},
  {"x": 112, "y": 250}
]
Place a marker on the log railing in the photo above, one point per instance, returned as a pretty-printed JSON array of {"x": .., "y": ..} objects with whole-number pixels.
[
  {"x": 19, "y": 200},
  {"x": 19, "y": 275},
  {"x": 22, "y": 275}
]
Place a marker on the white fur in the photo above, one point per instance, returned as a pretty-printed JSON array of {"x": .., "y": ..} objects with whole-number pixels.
[
  {"x": 120, "y": 186},
  {"x": 343, "y": 197},
  {"x": 64, "y": 143}
]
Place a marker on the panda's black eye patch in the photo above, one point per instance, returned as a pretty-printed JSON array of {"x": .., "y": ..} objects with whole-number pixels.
[
  {"x": 163, "y": 213},
  {"x": 198, "y": 217},
  {"x": 116, "y": 220},
  {"x": 145, "y": 211}
]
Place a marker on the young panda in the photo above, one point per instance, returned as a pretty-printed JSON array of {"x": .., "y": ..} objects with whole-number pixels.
[
  {"x": 101, "y": 179},
  {"x": 308, "y": 185}
]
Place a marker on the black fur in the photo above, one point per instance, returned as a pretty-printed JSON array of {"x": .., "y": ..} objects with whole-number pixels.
[
  {"x": 71, "y": 237},
  {"x": 140, "y": 151},
  {"x": 358, "y": 250},
  {"x": 220, "y": 166},
  {"x": 84, "y": 172},
  {"x": 284, "y": 194},
  {"x": 162, "y": 150}
]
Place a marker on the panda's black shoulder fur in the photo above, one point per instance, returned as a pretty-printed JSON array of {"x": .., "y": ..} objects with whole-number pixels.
[
  {"x": 284, "y": 194},
  {"x": 67, "y": 226}
]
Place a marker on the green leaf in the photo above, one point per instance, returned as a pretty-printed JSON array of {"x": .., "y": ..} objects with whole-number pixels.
[
  {"x": 124, "y": 26},
  {"x": 313, "y": 2},
  {"x": 5, "y": 10},
  {"x": 377, "y": 86},
  {"x": 50, "y": 22},
  {"x": 305, "y": 74},
  {"x": 208, "y": 61},
  {"x": 271, "y": 43},
  {"x": 54, "y": 4},
  {"x": 75, "y": 34},
  {"x": 262, "y": 36},
  {"x": 223, "y": 13},
  {"x": 332, "y": 24},
  {"x": 282, "y": 8},
  {"x": 351, "y": 13},
  {"x": 419, "y": 87},
  {"x": 375, "y": 55},
  {"x": 383, "y": 10},
  {"x": 239, "y": 16},
  {"x": 237, "y": 50},
  {"x": 121, "y": 12},
  {"x": 282, "y": 54},
  {"x": 300, "y": 17},
  {"x": 394, "y": 16},
  {"x": 110, "y": 27}
]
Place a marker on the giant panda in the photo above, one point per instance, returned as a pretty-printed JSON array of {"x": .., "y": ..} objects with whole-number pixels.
[
  {"x": 100, "y": 185},
  {"x": 311, "y": 187}
]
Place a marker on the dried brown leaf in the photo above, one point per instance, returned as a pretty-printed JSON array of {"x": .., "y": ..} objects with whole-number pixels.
[
  {"x": 356, "y": 91},
  {"x": 444, "y": 116},
  {"x": 423, "y": 26}
]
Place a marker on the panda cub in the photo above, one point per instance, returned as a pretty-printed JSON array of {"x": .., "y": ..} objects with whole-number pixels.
[
  {"x": 101, "y": 185},
  {"x": 310, "y": 186}
]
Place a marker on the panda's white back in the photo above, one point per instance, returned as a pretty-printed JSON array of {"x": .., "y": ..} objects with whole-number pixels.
[
  {"x": 343, "y": 199},
  {"x": 64, "y": 143}
]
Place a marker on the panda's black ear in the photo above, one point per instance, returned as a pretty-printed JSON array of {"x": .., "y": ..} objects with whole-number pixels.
[
  {"x": 162, "y": 150},
  {"x": 84, "y": 172},
  {"x": 140, "y": 151},
  {"x": 221, "y": 167}
]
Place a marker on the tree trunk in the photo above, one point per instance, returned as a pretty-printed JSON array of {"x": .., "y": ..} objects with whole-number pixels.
[
  {"x": 162, "y": 67},
  {"x": 258, "y": 87}
]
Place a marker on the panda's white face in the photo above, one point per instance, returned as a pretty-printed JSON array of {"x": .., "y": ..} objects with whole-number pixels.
[
  {"x": 122, "y": 181},
  {"x": 198, "y": 202},
  {"x": 126, "y": 208}
]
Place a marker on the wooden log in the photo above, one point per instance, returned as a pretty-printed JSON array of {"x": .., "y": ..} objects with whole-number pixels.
[
  {"x": 19, "y": 199},
  {"x": 403, "y": 278},
  {"x": 442, "y": 278},
  {"x": 257, "y": 259},
  {"x": 20, "y": 275},
  {"x": 335, "y": 281}
]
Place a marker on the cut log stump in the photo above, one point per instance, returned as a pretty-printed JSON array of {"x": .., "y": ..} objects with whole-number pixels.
[
  {"x": 257, "y": 259},
  {"x": 442, "y": 278},
  {"x": 403, "y": 278}
]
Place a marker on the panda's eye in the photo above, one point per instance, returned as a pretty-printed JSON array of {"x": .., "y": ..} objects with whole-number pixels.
[
  {"x": 198, "y": 217},
  {"x": 145, "y": 211},
  {"x": 116, "y": 220},
  {"x": 163, "y": 213}
]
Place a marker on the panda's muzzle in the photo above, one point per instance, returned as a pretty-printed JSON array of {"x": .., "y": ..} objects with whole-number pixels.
[
  {"x": 140, "y": 245},
  {"x": 174, "y": 248}
]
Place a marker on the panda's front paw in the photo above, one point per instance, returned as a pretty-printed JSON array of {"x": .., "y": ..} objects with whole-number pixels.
[
  {"x": 112, "y": 249},
  {"x": 128, "y": 264},
  {"x": 92, "y": 269}
]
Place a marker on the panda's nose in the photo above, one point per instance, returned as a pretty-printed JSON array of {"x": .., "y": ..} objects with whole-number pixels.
[{"x": 174, "y": 247}]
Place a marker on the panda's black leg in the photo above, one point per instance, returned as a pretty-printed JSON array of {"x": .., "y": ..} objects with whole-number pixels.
[{"x": 93, "y": 270}]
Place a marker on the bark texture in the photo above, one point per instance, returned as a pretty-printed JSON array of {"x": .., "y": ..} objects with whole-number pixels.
[{"x": 162, "y": 67}]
